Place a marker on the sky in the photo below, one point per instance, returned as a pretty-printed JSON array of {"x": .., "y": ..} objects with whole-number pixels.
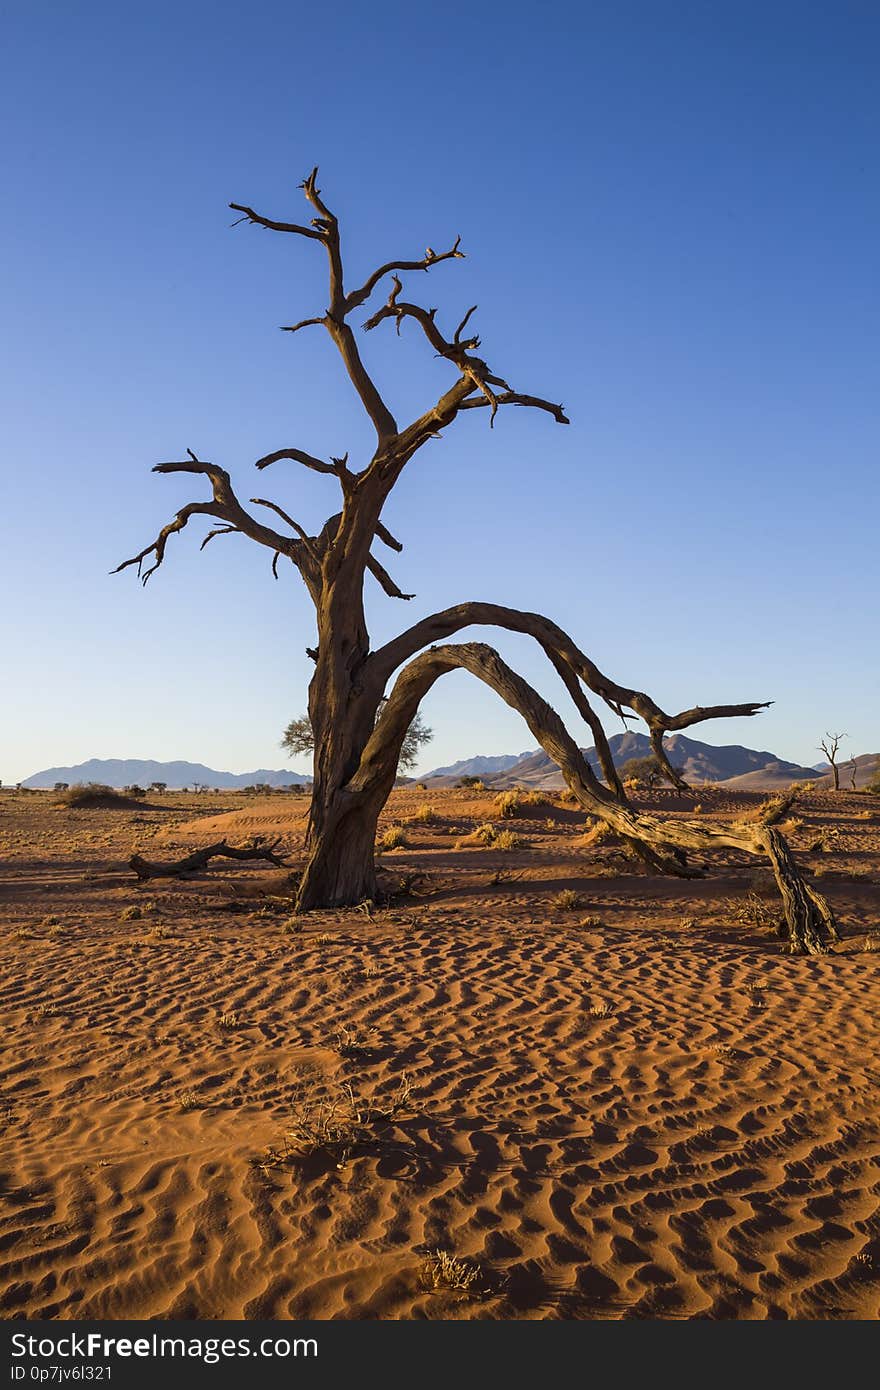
[{"x": 671, "y": 213}]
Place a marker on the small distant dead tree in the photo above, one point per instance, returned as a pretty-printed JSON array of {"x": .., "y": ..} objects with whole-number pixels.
[
  {"x": 829, "y": 745},
  {"x": 358, "y": 739},
  {"x": 853, "y": 770}
]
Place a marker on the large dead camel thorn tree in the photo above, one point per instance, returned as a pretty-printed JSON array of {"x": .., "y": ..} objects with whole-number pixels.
[{"x": 357, "y": 743}]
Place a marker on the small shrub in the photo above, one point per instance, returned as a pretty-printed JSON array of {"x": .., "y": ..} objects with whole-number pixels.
[
  {"x": 86, "y": 794},
  {"x": 292, "y": 926},
  {"x": 424, "y": 815},
  {"x": 473, "y": 783},
  {"x": 507, "y": 841},
  {"x": 441, "y": 1272},
  {"x": 598, "y": 832},
  {"x": 333, "y": 1123},
  {"x": 356, "y": 1042},
  {"x": 394, "y": 838},
  {"x": 228, "y": 1020},
  {"x": 51, "y": 921},
  {"x": 517, "y": 802},
  {"x": 591, "y": 921},
  {"x": 131, "y": 914},
  {"x": 188, "y": 1100},
  {"x": 567, "y": 900},
  {"x": 482, "y": 835}
]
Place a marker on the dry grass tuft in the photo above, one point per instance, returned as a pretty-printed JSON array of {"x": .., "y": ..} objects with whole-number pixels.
[
  {"x": 332, "y": 1123},
  {"x": 567, "y": 900},
  {"x": 394, "y": 838},
  {"x": 423, "y": 815},
  {"x": 518, "y": 803},
  {"x": 591, "y": 921},
  {"x": 442, "y": 1272}
]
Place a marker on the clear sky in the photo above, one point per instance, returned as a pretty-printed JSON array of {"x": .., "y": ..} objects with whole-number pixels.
[{"x": 672, "y": 220}]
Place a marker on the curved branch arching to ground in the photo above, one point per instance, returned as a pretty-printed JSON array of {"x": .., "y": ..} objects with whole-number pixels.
[{"x": 808, "y": 916}]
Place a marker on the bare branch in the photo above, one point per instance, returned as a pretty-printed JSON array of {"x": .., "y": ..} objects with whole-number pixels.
[
  {"x": 357, "y": 297},
  {"x": 661, "y": 844},
  {"x": 158, "y": 545},
  {"x": 515, "y": 398},
  {"x": 219, "y": 531},
  {"x": 225, "y": 507},
  {"x": 384, "y": 578},
  {"x": 554, "y": 640},
  {"x": 303, "y": 323},
  {"x": 294, "y": 525},
  {"x": 256, "y": 220},
  {"x": 385, "y": 536}
]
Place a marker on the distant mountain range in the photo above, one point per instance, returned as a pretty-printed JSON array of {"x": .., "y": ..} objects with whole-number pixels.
[
  {"x": 141, "y": 772},
  {"x": 731, "y": 764},
  {"x": 479, "y": 767}
]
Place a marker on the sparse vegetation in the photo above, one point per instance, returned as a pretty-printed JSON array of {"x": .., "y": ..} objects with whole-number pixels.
[
  {"x": 517, "y": 803},
  {"x": 423, "y": 815},
  {"x": 442, "y": 1272},
  {"x": 567, "y": 900},
  {"x": 394, "y": 838},
  {"x": 86, "y": 794},
  {"x": 332, "y": 1122}
]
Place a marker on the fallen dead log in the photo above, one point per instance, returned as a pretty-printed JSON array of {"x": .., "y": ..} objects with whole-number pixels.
[{"x": 259, "y": 848}]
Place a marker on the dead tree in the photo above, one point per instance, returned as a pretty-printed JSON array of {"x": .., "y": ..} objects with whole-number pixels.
[
  {"x": 357, "y": 737},
  {"x": 829, "y": 746}
]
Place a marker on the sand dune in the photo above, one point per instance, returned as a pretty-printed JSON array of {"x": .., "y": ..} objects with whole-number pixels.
[{"x": 637, "y": 1108}]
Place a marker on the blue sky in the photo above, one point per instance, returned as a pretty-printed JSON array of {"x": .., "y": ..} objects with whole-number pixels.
[{"x": 671, "y": 218}]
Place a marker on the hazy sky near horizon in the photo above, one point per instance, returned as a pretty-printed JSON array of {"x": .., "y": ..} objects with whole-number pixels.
[{"x": 671, "y": 214}]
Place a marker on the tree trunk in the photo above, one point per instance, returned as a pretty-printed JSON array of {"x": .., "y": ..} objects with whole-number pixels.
[
  {"x": 836, "y": 775},
  {"x": 341, "y": 833},
  {"x": 342, "y": 869}
]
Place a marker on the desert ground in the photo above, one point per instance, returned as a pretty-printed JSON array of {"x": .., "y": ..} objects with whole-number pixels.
[{"x": 599, "y": 1093}]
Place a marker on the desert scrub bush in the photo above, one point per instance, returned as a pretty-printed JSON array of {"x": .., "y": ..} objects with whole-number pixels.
[
  {"x": 475, "y": 784},
  {"x": 771, "y": 810},
  {"x": 517, "y": 802},
  {"x": 506, "y": 840},
  {"x": 423, "y": 815},
  {"x": 332, "y": 1122},
  {"x": 51, "y": 921},
  {"x": 482, "y": 835},
  {"x": 188, "y": 1100},
  {"x": 228, "y": 1020},
  {"x": 751, "y": 911},
  {"x": 442, "y": 1272},
  {"x": 597, "y": 832},
  {"x": 567, "y": 900},
  {"x": 130, "y": 914},
  {"x": 591, "y": 921},
  {"x": 394, "y": 838},
  {"x": 93, "y": 794},
  {"x": 356, "y": 1042}
]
